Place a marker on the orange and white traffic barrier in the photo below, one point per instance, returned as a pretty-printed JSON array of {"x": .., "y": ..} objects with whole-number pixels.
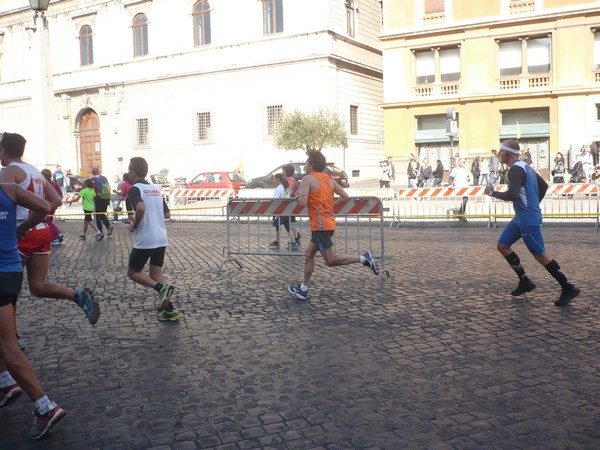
[
  {"x": 477, "y": 191},
  {"x": 202, "y": 193},
  {"x": 355, "y": 206},
  {"x": 571, "y": 189},
  {"x": 250, "y": 231}
]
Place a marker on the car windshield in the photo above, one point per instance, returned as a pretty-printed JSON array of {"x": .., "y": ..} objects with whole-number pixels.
[
  {"x": 159, "y": 179},
  {"x": 235, "y": 177}
]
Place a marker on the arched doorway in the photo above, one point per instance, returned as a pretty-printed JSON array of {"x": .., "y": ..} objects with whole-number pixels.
[{"x": 89, "y": 141}]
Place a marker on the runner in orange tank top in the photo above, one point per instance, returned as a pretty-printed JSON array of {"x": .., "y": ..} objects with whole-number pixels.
[{"x": 316, "y": 192}]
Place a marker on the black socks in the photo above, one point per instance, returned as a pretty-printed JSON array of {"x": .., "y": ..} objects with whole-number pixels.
[
  {"x": 158, "y": 287},
  {"x": 515, "y": 263},
  {"x": 554, "y": 269}
]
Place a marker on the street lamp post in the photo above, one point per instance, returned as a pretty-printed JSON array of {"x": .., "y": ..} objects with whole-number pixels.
[{"x": 42, "y": 148}]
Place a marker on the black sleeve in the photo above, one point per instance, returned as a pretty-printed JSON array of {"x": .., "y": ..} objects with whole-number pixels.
[
  {"x": 165, "y": 206},
  {"x": 134, "y": 196},
  {"x": 516, "y": 180},
  {"x": 542, "y": 186}
]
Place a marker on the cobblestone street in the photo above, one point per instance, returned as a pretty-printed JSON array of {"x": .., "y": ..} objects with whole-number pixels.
[{"x": 437, "y": 356}]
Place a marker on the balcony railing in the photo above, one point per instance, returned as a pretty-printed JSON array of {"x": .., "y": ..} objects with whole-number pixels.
[
  {"x": 521, "y": 6},
  {"x": 525, "y": 82},
  {"x": 434, "y": 18},
  {"x": 436, "y": 90}
]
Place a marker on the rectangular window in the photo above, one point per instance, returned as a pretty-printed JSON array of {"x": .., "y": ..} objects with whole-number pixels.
[
  {"x": 142, "y": 133},
  {"x": 510, "y": 58},
  {"x": 425, "y": 67},
  {"x": 272, "y": 16},
  {"x": 203, "y": 129},
  {"x": 274, "y": 114},
  {"x": 450, "y": 64},
  {"x": 434, "y": 6},
  {"x": 538, "y": 55},
  {"x": 597, "y": 49},
  {"x": 350, "y": 17},
  {"x": 353, "y": 119},
  {"x": 597, "y": 111}
]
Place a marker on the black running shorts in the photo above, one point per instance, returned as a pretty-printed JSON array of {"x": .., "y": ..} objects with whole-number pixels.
[
  {"x": 322, "y": 239},
  {"x": 139, "y": 257},
  {"x": 10, "y": 287}
]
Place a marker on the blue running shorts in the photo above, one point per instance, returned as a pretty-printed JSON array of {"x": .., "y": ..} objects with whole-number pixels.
[{"x": 532, "y": 236}]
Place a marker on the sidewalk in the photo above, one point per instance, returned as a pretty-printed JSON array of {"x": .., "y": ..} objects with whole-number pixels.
[{"x": 437, "y": 356}]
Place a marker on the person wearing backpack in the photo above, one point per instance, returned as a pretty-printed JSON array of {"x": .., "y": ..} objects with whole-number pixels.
[{"x": 101, "y": 202}]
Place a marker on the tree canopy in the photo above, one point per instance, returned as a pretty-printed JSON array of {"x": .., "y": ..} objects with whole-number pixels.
[{"x": 299, "y": 130}]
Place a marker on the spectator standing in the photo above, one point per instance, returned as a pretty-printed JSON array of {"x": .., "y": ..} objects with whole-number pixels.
[
  {"x": 475, "y": 170},
  {"x": 412, "y": 171},
  {"x": 526, "y": 189},
  {"x": 16, "y": 373},
  {"x": 386, "y": 174},
  {"x": 484, "y": 167},
  {"x": 577, "y": 172},
  {"x": 392, "y": 167},
  {"x": 558, "y": 173},
  {"x": 438, "y": 174},
  {"x": 125, "y": 186},
  {"x": 68, "y": 175},
  {"x": 282, "y": 191},
  {"x": 460, "y": 177},
  {"x": 288, "y": 173},
  {"x": 316, "y": 193},
  {"x": 58, "y": 177},
  {"x": 494, "y": 168},
  {"x": 527, "y": 157},
  {"x": 150, "y": 242},
  {"x": 117, "y": 198},
  {"x": 426, "y": 172},
  {"x": 87, "y": 195},
  {"x": 101, "y": 201},
  {"x": 587, "y": 162},
  {"x": 55, "y": 233}
]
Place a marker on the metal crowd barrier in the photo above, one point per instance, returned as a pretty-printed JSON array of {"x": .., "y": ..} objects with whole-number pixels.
[
  {"x": 562, "y": 202},
  {"x": 359, "y": 226}
]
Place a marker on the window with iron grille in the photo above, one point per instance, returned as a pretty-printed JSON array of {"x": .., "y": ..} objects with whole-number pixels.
[
  {"x": 272, "y": 16},
  {"x": 201, "y": 23},
  {"x": 202, "y": 128},
  {"x": 353, "y": 119},
  {"x": 86, "y": 45},
  {"x": 274, "y": 114},
  {"x": 142, "y": 133}
]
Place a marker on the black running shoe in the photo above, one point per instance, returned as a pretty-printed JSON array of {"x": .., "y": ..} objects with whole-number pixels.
[
  {"x": 525, "y": 285},
  {"x": 566, "y": 295}
]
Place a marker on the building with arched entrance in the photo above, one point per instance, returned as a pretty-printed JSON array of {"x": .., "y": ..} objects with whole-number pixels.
[{"x": 192, "y": 85}]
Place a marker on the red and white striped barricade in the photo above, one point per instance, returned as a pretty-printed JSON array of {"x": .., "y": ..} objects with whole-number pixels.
[
  {"x": 200, "y": 202},
  {"x": 435, "y": 203},
  {"x": 359, "y": 226}
]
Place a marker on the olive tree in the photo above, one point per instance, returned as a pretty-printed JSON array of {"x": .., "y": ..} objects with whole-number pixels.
[{"x": 299, "y": 130}]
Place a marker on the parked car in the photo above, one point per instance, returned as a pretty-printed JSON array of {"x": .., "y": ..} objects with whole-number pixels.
[
  {"x": 161, "y": 181},
  {"x": 217, "y": 180},
  {"x": 266, "y": 181}
]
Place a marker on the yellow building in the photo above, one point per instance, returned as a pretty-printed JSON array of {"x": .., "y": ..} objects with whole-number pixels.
[{"x": 525, "y": 69}]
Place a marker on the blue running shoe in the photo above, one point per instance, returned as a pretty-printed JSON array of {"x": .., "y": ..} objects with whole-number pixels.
[
  {"x": 85, "y": 299},
  {"x": 299, "y": 293},
  {"x": 370, "y": 262}
]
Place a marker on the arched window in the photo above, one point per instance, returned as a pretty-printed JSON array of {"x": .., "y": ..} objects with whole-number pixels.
[
  {"x": 201, "y": 23},
  {"x": 86, "y": 45},
  {"x": 140, "y": 35}
]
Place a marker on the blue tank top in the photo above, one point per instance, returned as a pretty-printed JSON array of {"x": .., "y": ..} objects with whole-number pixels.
[
  {"x": 527, "y": 207},
  {"x": 10, "y": 260}
]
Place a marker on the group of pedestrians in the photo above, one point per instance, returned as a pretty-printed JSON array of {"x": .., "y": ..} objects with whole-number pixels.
[{"x": 26, "y": 199}]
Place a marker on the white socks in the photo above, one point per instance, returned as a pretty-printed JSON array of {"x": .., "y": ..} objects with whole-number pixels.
[
  {"x": 362, "y": 259},
  {"x": 6, "y": 379},
  {"x": 303, "y": 287},
  {"x": 44, "y": 405}
]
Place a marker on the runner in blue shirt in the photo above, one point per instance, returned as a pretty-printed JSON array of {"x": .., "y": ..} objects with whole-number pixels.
[{"x": 526, "y": 189}]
